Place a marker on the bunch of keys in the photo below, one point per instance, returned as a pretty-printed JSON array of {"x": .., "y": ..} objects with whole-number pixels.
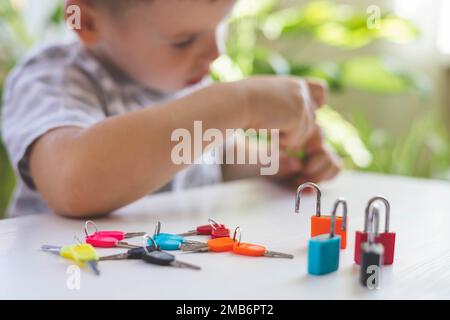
[
  {"x": 169, "y": 241},
  {"x": 81, "y": 253},
  {"x": 109, "y": 239},
  {"x": 151, "y": 254},
  {"x": 213, "y": 229},
  {"x": 237, "y": 247}
]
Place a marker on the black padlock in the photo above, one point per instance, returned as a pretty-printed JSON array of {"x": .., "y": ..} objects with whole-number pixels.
[{"x": 371, "y": 254}]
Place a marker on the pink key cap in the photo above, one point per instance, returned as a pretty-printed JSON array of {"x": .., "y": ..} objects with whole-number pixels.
[
  {"x": 119, "y": 235},
  {"x": 99, "y": 241}
]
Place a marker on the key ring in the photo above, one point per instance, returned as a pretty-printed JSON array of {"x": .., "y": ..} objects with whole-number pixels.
[
  {"x": 86, "y": 228},
  {"x": 145, "y": 239},
  {"x": 213, "y": 223},
  {"x": 157, "y": 229},
  {"x": 240, "y": 235},
  {"x": 77, "y": 240}
]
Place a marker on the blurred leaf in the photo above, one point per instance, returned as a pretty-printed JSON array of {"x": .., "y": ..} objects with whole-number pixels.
[
  {"x": 375, "y": 75},
  {"x": 282, "y": 22},
  {"x": 397, "y": 30},
  {"x": 57, "y": 16},
  {"x": 251, "y": 8},
  {"x": 336, "y": 34},
  {"x": 7, "y": 179},
  {"x": 344, "y": 137}
]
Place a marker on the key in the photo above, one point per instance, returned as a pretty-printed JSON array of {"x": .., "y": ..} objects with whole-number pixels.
[
  {"x": 174, "y": 237},
  {"x": 204, "y": 230},
  {"x": 169, "y": 241},
  {"x": 162, "y": 258},
  {"x": 99, "y": 241},
  {"x": 131, "y": 254},
  {"x": 212, "y": 245},
  {"x": 255, "y": 250},
  {"x": 214, "y": 229},
  {"x": 82, "y": 253},
  {"x": 220, "y": 232},
  {"x": 119, "y": 235},
  {"x": 153, "y": 256},
  {"x": 86, "y": 253},
  {"x": 171, "y": 244}
]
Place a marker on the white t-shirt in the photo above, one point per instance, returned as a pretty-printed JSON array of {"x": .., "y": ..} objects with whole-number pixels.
[{"x": 64, "y": 85}]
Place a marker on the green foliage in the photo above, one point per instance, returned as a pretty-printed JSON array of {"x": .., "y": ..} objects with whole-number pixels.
[
  {"x": 257, "y": 27},
  {"x": 14, "y": 40}
]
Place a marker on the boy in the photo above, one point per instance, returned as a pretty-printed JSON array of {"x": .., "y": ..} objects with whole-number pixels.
[{"x": 88, "y": 125}]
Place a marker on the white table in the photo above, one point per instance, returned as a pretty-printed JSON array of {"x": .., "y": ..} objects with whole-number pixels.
[{"x": 265, "y": 212}]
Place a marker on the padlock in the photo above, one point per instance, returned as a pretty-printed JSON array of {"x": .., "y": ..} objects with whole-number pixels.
[
  {"x": 371, "y": 254},
  {"x": 320, "y": 224},
  {"x": 386, "y": 238},
  {"x": 324, "y": 249}
]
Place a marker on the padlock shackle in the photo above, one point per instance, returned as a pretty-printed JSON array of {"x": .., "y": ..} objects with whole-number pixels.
[
  {"x": 343, "y": 202},
  {"x": 374, "y": 224},
  {"x": 318, "y": 196},
  {"x": 387, "y": 211}
]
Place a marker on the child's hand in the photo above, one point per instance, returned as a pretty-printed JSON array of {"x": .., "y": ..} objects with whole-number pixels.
[
  {"x": 320, "y": 163},
  {"x": 285, "y": 103}
]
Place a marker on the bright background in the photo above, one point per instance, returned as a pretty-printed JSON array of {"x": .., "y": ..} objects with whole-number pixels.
[{"x": 389, "y": 105}]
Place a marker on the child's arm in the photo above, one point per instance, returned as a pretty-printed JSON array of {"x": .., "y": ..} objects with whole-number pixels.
[
  {"x": 90, "y": 171},
  {"x": 291, "y": 168}
]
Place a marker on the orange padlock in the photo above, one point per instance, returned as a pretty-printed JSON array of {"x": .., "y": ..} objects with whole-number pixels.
[{"x": 320, "y": 224}]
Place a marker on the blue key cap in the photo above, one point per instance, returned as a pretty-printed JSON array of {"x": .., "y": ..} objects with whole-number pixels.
[
  {"x": 169, "y": 236},
  {"x": 166, "y": 243}
]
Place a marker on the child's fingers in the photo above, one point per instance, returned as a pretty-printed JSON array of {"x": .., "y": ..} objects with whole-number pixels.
[
  {"x": 315, "y": 142},
  {"x": 326, "y": 174},
  {"x": 323, "y": 165},
  {"x": 289, "y": 165},
  {"x": 316, "y": 163},
  {"x": 318, "y": 90}
]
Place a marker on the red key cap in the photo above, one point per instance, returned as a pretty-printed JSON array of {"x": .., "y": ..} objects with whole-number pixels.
[{"x": 220, "y": 232}]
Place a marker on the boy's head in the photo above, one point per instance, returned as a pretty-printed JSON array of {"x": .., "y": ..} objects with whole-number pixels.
[{"x": 163, "y": 44}]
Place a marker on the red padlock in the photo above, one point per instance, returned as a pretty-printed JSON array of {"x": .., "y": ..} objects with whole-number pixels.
[{"x": 386, "y": 238}]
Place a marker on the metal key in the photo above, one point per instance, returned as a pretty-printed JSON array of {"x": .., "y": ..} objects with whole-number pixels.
[
  {"x": 99, "y": 241},
  {"x": 255, "y": 250},
  {"x": 119, "y": 235},
  {"x": 81, "y": 253},
  {"x": 162, "y": 258},
  {"x": 170, "y": 237},
  {"x": 132, "y": 254},
  {"x": 218, "y": 229},
  {"x": 213, "y": 245}
]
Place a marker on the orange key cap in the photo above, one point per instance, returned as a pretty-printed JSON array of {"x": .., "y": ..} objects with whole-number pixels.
[
  {"x": 220, "y": 244},
  {"x": 256, "y": 250},
  {"x": 213, "y": 245}
]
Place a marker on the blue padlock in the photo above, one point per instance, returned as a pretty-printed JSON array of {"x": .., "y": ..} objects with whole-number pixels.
[{"x": 324, "y": 250}]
